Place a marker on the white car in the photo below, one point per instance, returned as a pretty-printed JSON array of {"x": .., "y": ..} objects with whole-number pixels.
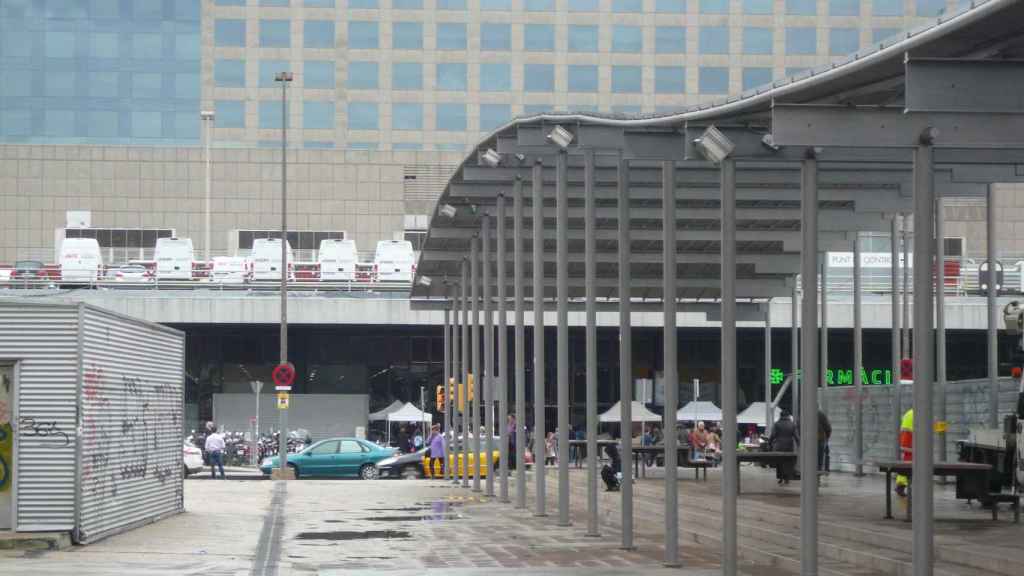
[
  {"x": 231, "y": 270},
  {"x": 193, "y": 458},
  {"x": 130, "y": 273}
]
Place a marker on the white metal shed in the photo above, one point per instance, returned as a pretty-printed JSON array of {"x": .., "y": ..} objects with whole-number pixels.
[{"x": 91, "y": 404}]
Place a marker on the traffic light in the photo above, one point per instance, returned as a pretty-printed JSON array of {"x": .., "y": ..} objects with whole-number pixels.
[{"x": 440, "y": 397}]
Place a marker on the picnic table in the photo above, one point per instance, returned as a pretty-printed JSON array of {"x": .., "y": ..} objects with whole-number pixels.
[{"x": 972, "y": 481}]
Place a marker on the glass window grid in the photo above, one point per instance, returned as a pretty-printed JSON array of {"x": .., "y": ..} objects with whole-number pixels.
[
  {"x": 801, "y": 7},
  {"x": 929, "y": 7},
  {"x": 494, "y": 115},
  {"x": 318, "y": 34},
  {"x": 754, "y": 77},
  {"x": 363, "y": 75},
  {"x": 407, "y": 4},
  {"x": 627, "y": 6},
  {"x": 758, "y": 7},
  {"x": 539, "y": 5},
  {"x": 495, "y": 36},
  {"x": 582, "y": 78},
  {"x": 451, "y": 36},
  {"x": 801, "y": 41},
  {"x": 887, "y": 7},
  {"x": 495, "y": 77},
  {"x": 538, "y": 78},
  {"x": 584, "y": 5},
  {"x": 843, "y": 41},
  {"x": 714, "y": 6},
  {"x": 406, "y": 76},
  {"x": 583, "y": 38},
  {"x": 363, "y": 4},
  {"x": 318, "y": 74},
  {"x": 226, "y": 73},
  {"x": 670, "y": 6},
  {"x": 539, "y": 37},
  {"x": 627, "y": 79},
  {"x": 882, "y": 34},
  {"x": 486, "y": 5},
  {"x": 757, "y": 40},
  {"x": 362, "y": 116},
  {"x": 228, "y": 32},
  {"x": 270, "y": 114},
  {"x": 363, "y": 34},
  {"x": 713, "y": 80},
  {"x": 451, "y": 4},
  {"x": 318, "y": 115},
  {"x": 669, "y": 80},
  {"x": 407, "y": 35},
  {"x": 275, "y": 33},
  {"x": 451, "y": 76},
  {"x": 713, "y": 40},
  {"x": 844, "y": 7},
  {"x": 406, "y": 116},
  {"x": 627, "y": 39},
  {"x": 269, "y": 70},
  {"x": 670, "y": 40},
  {"x": 450, "y": 117}
]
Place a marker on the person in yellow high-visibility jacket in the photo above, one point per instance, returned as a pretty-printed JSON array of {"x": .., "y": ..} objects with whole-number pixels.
[{"x": 906, "y": 449}]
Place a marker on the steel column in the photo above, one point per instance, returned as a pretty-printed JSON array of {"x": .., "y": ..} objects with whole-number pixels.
[
  {"x": 502, "y": 371},
  {"x": 924, "y": 356},
  {"x": 907, "y": 289},
  {"x": 447, "y": 374},
  {"x": 671, "y": 365},
  {"x": 518, "y": 272},
  {"x": 894, "y": 234},
  {"x": 487, "y": 382},
  {"x": 562, "y": 341},
  {"x": 769, "y": 412},
  {"x": 940, "y": 318},
  {"x": 474, "y": 271},
  {"x": 465, "y": 374},
  {"x": 539, "y": 427},
  {"x": 454, "y": 390},
  {"x": 823, "y": 346},
  {"x": 993, "y": 311},
  {"x": 730, "y": 468},
  {"x": 858, "y": 360},
  {"x": 625, "y": 357},
  {"x": 794, "y": 349},
  {"x": 590, "y": 267},
  {"x": 808, "y": 396}
]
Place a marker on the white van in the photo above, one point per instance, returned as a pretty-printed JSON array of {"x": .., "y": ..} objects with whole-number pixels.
[
  {"x": 80, "y": 260},
  {"x": 231, "y": 270},
  {"x": 174, "y": 257},
  {"x": 337, "y": 259},
  {"x": 266, "y": 259},
  {"x": 394, "y": 261}
]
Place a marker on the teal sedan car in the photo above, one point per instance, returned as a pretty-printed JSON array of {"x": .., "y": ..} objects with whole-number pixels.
[{"x": 334, "y": 458}]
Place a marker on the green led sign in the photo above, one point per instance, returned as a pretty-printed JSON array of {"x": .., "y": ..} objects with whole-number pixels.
[{"x": 844, "y": 377}]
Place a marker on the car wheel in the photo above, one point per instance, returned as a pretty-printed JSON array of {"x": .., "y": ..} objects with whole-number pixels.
[
  {"x": 412, "y": 472},
  {"x": 295, "y": 469},
  {"x": 369, "y": 472}
]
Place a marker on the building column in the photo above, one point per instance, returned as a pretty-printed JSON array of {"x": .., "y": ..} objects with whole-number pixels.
[
  {"x": 502, "y": 371},
  {"x": 625, "y": 357},
  {"x": 487, "y": 382},
  {"x": 478, "y": 382},
  {"x": 465, "y": 372},
  {"x": 518, "y": 272},
  {"x": 730, "y": 468},
  {"x": 809, "y": 370},
  {"x": 562, "y": 274},
  {"x": 539, "y": 427},
  {"x": 671, "y": 364},
  {"x": 447, "y": 374},
  {"x": 590, "y": 267}
]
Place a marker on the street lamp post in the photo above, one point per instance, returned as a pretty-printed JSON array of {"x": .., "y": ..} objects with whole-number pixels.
[
  {"x": 207, "y": 117},
  {"x": 284, "y": 78}
]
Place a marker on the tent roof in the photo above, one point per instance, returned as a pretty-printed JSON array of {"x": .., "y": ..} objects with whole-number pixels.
[
  {"x": 640, "y": 413},
  {"x": 383, "y": 414},
  {"x": 754, "y": 414},
  {"x": 409, "y": 413},
  {"x": 699, "y": 410}
]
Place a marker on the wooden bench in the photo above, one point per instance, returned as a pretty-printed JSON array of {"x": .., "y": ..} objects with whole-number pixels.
[
  {"x": 972, "y": 480},
  {"x": 683, "y": 459}
]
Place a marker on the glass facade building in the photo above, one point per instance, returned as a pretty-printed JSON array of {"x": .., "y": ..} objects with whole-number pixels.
[{"x": 398, "y": 74}]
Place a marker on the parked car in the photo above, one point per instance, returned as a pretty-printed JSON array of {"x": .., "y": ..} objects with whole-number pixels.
[
  {"x": 28, "y": 270},
  {"x": 334, "y": 457},
  {"x": 80, "y": 260},
  {"x": 337, "y": 259},
  {"x": 266, "y": 259},
  {"x": 192, "y": 458},
  {"x": 394, "y": 261},
  {"x": 231, "y": 270},
  {"x": 130, "y": 273},
  {"x": 409, "y": 465},
  {"x": 174, "y": 257}
]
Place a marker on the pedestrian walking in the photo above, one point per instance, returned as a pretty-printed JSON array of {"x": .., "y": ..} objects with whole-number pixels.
[
  {"x": 550, "y": 449},
  {"x": 215, "y": 448},
  {"x": 824, "y": 434},
  {"x": 784, "y": 438},
  {"x": 510, "y": 430},
  {"x": 437, "y": 452}
]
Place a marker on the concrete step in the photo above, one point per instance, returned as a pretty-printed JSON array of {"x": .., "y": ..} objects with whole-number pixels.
[{"x": 34, "y": 540}]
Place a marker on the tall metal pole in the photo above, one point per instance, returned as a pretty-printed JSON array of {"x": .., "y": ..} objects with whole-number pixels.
[
  {"x": 539, "y": 427},
  {"x": 993, "y": 311},
  {"x": 464, "y": 357},
  {"x": 730, "y": 467},
  {"x": 625, "y": 356},
  {"x": 671, "y": 365},
  {"x": 808, "y": 396},
  {"x": 284, "y": 78},
  {"x": 858, "y": 359},
  {"x": 502, "y": 371},
  {"x": 823, "y": 346},
  {"x": 894, "y": 234},
  {"x": 590, "y": 267},
  {"x": 207, "y": 117},
  {"x": 518, "y": 271},
  {"x": 488, "y": 380},
  {"x": 562, "y": 341},
  {"x": 769, "y": 412},
  {"x": 794, "y": 347},
  {"x": 474, "y": 273},
  {"x": 907, "y": 289},
  {"x": 940, "y": 319},
  {"x": 444, "y": 383},
  {"x": 453, "y": 466},
  {"x": 924, "y": 356}
]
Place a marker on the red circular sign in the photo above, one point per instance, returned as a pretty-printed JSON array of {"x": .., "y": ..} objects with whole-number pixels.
[{"x": 284, "y": 374}]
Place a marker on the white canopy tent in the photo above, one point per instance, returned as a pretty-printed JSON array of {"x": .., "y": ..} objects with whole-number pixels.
[
  {"x": 755, "y": 413},
  {"x": 640, "y": 413},
  {"x": 409, "y": 413},
  {"x": 383, "y": 414},
  {"x": 699, "y": 410}
]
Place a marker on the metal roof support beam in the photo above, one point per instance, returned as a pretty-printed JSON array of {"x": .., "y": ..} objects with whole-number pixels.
[
  {"x": 478, "y": 382},
  {"x": 502, "y": 371},
  {"x": 808, "y": 420},
  {"x": 590, "y": 269},
  {"x": 873, "y": 127},
  {"x": 924, "y": 356},
  {"x": 539, "y": 396},
  {"x": 670, "y": 366},
  {"x": 964, "y": 85},
  {"x": 730, "y": 468},
  {"x": 518, "y": 271},
  {"x": 562, "y": 338},
  {"x": 625, "y": 356},
  {"x": 487, "y": 382}
]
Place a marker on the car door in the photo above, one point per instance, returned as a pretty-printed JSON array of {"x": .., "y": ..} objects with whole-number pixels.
[
  {"x": 351, "y": 457},
  {"x": 320, "y": 459}
]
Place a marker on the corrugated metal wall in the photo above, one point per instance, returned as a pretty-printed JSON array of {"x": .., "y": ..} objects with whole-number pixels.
[
  {"x": 42, "y": 340},
  {"x": 132, "y": 396},
  {"x": 966, "y": 406},
  {"x": 324, "y": 415}
]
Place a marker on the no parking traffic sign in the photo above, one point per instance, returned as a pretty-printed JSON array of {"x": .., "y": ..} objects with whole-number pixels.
[{"x": 283, "y": 376}]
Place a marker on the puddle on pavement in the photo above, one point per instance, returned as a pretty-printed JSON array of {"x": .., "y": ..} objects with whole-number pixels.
[
  {"x": 362, "y": 535},
  {"x": 416, "y": 508},
  {"x": 422, "y": 518}
]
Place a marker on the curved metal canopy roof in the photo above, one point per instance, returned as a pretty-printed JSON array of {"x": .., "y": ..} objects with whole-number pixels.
[{"x": 860, "y": 185}]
